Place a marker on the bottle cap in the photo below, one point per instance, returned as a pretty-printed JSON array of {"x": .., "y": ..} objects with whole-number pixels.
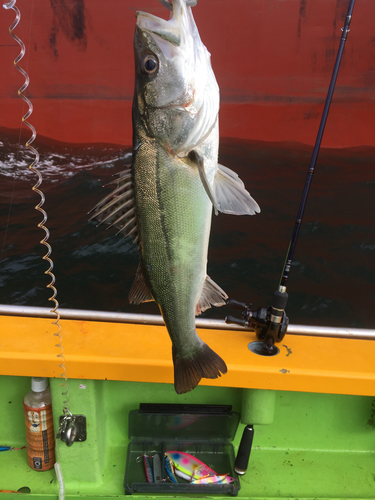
[{"x": 39, "y": 384}]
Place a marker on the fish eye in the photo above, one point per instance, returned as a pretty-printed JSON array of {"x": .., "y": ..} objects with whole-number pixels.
[{"x": 149, "y": 65}]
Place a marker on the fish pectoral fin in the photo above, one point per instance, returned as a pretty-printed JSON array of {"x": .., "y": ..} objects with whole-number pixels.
[
  {"x": 198, "y": 161},
  {"x": 118, "y": 208},
  {"x": 231, "y": 195},
  {"x": 139, "y": 291},
  {"x": 212, "y": 295}
]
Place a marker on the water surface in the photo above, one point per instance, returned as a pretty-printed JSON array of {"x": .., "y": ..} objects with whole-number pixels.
[{"x": 332, "y": 280}]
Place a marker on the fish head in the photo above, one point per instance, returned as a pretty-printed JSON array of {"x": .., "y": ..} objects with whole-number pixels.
[{"x": 176, "y": 93}]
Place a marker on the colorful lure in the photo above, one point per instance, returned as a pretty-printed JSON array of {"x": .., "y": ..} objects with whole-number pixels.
[
  {"x": 224, "y": 479},
  {"x": 148, "y": 469},
  {"x": 182, "y": 474},
  {"x": 152, "y": 470},
  {"x": 156, "y": 468},
  {"x": 169, "y": 467},
  {"x": 189, "y": 465}
]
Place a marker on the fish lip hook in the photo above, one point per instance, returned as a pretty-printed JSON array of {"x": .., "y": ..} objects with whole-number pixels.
[
  {"x": 167, "y": 4},
  {"x": 150, "y": 455}
]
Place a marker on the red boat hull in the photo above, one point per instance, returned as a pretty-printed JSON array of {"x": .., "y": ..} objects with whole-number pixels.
[{"x": 273, "y": 61}]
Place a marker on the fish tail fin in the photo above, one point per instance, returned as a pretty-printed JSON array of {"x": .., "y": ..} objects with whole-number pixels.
[{"x": 189, "y": 372}]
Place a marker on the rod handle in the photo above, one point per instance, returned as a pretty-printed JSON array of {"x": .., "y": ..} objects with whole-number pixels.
[
  {"x": 235, "y": 321},
  {"x": 244, "y": 450},
  {"x": 234, "y": 304}
]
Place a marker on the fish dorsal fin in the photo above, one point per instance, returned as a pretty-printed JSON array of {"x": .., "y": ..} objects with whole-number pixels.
[
  {"x": 139, "y": 291},
  {"x": 118, "y": 208},
  {"x": 212, "y": 295},
  {"x": 199, "y": 162},
  {"x": 230, "y": 194}
]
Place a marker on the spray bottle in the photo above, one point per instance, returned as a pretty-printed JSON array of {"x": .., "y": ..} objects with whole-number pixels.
[{"x": 39, "y": 425}]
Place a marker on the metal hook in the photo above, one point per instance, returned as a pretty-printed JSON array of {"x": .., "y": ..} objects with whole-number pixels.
[
  {"x": 70, "y": 433},
  {"x": 166, "y": 3},
  {"x": 67, "y": 413},
  {"x": 169, "y": 6},
  {"x": 151, "y": 454}
]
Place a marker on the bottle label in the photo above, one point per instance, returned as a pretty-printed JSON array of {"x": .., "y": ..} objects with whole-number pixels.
[
  {"x": 40, "y": 437},
  {"x": 34, "y": 421}
]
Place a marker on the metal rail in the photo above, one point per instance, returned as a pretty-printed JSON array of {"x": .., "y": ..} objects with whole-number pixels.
[{"x": 153, "y": 319}]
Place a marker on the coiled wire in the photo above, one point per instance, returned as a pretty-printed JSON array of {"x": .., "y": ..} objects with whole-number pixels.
[{"x": 33, "y": 167}]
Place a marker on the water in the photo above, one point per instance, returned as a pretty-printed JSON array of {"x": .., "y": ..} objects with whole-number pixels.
[{"x": 332, "y": 280}]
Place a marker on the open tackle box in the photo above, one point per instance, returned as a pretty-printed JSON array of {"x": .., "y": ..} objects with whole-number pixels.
[{"x": 204, "y": 431}]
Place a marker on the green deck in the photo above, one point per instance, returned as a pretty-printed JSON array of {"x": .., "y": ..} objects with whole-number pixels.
[{"x": 320, "y": 446}]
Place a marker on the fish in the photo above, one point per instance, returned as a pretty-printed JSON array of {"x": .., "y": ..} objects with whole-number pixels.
[
  {"x": 164, "y": 200},
  {"x": 190, "y": 466}
]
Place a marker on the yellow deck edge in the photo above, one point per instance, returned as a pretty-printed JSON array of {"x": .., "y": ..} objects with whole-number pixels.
[{"x": 133, "y": 352}]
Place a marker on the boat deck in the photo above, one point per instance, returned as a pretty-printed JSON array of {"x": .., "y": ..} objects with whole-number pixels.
[{"x": 321, "y": 443}]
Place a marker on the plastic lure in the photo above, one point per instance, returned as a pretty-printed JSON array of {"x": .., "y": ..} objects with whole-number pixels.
[
  {"x": 156, "y": 468},
  {"x": 183, "y": 475},
  {"x": 169, "y": 468},
  {"x": 148, "y": 469},
  {"x": 224, "y": 479},
  {"x": 189, "y": 465}
]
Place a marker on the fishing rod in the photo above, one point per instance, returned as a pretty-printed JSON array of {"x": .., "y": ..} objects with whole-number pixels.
[{"x": 271, "y": 323}]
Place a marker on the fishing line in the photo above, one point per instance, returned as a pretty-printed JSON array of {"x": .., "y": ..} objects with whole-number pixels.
[{"x": 38, "y": 207}]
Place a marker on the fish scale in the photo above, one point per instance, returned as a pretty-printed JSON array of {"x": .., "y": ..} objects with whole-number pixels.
[{"x": 173, "y": 237}]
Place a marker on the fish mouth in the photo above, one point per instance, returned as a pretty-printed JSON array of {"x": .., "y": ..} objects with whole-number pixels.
[
  {"x": 176, "y": 31},
  {"x": 159, "y": 29}
]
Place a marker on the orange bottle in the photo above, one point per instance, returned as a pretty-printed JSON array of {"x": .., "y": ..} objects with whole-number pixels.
[{"x": 40, "y": 435}]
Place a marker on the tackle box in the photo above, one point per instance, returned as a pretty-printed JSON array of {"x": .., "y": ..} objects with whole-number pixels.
[{"x": 204, "y": 431}]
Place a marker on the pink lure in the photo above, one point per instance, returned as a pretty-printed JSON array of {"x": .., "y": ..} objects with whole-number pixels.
[
  {"x": 189, "y": 465},
  {"x": 224, "y": 479}
]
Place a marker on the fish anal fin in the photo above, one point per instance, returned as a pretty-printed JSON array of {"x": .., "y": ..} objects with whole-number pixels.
[
  {"x": 189, "y": 372},
  {"x": 212, "y": 295},
  {"x": 139, "y": 291},
  {"x": 230, "y": 194}
]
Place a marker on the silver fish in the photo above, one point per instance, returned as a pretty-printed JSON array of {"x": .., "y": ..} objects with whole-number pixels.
[{"x": 164, "y": 201}]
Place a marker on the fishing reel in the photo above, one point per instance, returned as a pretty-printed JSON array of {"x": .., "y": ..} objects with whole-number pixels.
[{"x": 270, "y": 323}]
